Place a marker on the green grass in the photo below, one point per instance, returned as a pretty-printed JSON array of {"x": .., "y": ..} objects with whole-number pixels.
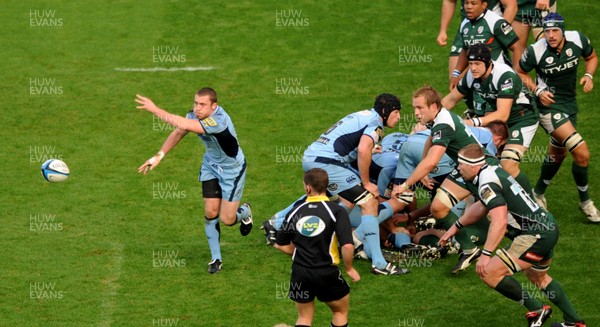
[{"x": 100, "y": 261}]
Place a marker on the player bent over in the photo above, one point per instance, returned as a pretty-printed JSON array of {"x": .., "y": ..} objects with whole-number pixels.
[
  {"x": 353, "y": 138},
  {"x": 555, "y": 60},
  {"x": 310, "y": 234},
  {"x": 531, "y": 250},
  {"x": 448, "y": 136},
  {"x": 223, "y": 171}
]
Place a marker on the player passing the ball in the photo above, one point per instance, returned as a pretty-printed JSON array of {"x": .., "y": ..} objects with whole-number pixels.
[{"x": 223, "y": 170}]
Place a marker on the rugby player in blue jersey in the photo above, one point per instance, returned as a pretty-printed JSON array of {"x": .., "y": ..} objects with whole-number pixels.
[{"x": 223, "y": 171}]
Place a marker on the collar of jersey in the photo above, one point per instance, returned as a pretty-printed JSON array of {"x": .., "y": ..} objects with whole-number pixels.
[
  {"x": 480, "y": 16},
  {"x": 317, "y": 198},
  {"x": 476, "y": 179}
]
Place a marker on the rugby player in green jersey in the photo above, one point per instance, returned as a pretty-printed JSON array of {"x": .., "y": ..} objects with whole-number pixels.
[
  {"x": 529, "y": 17},
  {"x": 531, "y": 250},
  {"x": 498, "y": 94},
  {"x": 505, "y": 8},
  {"x": 555, "y": 60},
  {"x": 485, "y": 26},
  {"x": 448, "y": 135}
]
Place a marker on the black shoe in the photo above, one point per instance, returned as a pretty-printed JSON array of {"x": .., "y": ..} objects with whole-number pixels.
[
  {"x": 389, "y": 269},
  {"x": 270, "y": 232},
  {"x": 214, "y": 266},
  {"x": 246, "y": 223},
  {"x": 425, "y": 224},
  {"x": 537, "y": 318},
  {"x": 465, "y": 260}
]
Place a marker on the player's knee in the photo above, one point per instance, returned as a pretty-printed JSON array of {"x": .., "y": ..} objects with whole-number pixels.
[
  {"x": 510, "y": 166},
  {"x": 438, "y": 209},
  {"x": 443, "y": 201},
  {"x": 369, "y": 206},
  {"x": 211, "y": 212},
  {"x": 581, "y": 156},
  {"x": 510, "y": 160},
  {"x": 573, "y": 141}
]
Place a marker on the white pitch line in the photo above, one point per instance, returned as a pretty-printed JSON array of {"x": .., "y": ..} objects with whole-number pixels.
[
  {"x": 111, "y": 285},
  {"x": 164, "y": 69}
]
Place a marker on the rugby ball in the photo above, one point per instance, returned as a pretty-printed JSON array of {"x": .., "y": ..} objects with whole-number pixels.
[{"x": 55, "y": 171}]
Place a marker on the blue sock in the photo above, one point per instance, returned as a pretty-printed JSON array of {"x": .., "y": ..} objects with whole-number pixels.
[
  {"x": 385, "y": 212},
  {"x": 371, "y": 237},
  {"x": 213, "y": 234},
  {"x": 242, "y": 213},
  {"x": 355, "y": 217},
  {"x": 280, "y": 216},
  {"x": 401, "y": 239},
  {"x": 348, "y": 210}
]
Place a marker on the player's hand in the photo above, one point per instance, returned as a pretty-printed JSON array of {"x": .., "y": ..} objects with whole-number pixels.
[
  {"x": 542, "y": 4},
  {"x": 418, "y": 127},
  {"x": 150, "y": 164},
  {"x": 145, "y": 103},
  {"x": 482, "y": 264},
  {"x": 442, "y": 38},
  {"x": 376, "y": 149},
  {"x": 428, "y": 182},
  {"x": 397, "y": 190},
  {"x": 587, "y": 82},
  {"x": 454, "y": 82},
  {"x": 546, "y": 98},
  {"x": 353, "y": 274},
  {"x": 372, "y": 188},
  {"x": 448, "y": 235}
]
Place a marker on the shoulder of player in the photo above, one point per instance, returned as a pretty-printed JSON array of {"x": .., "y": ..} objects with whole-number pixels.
[
  {"x": 488, "y": 175},
  {"x": 575, "y": 37},
  {"x": 218, "y": 118},
  {"x": 538, "y": 49},
  {"x": 444, "y": 117},
  {"x": 493, "y": 20},
  {"x": 501, "y": 72}
]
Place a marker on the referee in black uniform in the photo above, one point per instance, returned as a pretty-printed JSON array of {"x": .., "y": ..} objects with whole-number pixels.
[{"x": 311, "y": 234}]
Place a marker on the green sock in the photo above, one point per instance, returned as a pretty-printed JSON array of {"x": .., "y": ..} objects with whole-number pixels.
[
  {"x": 462, "y": 237},
  {"x": 580, "y": 174},
  {"x": 555, "y": 293},
  {"x": 524, "y": 182},
  {"x": 429, "y": 240},
  {"x": 512, "y": 289},
  {"x": 548, "y": 171}
]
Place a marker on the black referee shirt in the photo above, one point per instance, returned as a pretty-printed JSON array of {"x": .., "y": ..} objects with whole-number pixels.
[{"x": 316, "y": 227}]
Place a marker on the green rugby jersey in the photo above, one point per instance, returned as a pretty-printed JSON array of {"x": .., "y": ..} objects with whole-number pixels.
[
  {"x": 495, "y": 187},
  {"x": 492, "y": 30},
  {"x": 557, "y": 72},
  {"x": 449, "y": 131},
  {"x": 502, "y": 82}
]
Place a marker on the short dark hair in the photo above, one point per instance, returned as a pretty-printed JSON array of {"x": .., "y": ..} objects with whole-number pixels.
[
  {"x": 212, "y": 94},
  {"x": 430, "y": 95},
  {"x": 499, "y": 128},
  {"x": 318, "y": 179},
  {"x": 472, "y": 151}
]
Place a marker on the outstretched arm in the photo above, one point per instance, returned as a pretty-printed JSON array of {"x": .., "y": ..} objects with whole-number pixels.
[
  {"x": 190, "y": 125},
  {"x": 171, "y": 141}
]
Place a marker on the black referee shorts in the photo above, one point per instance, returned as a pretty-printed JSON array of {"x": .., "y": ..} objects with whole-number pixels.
[{"x": 326, "y": 284}]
